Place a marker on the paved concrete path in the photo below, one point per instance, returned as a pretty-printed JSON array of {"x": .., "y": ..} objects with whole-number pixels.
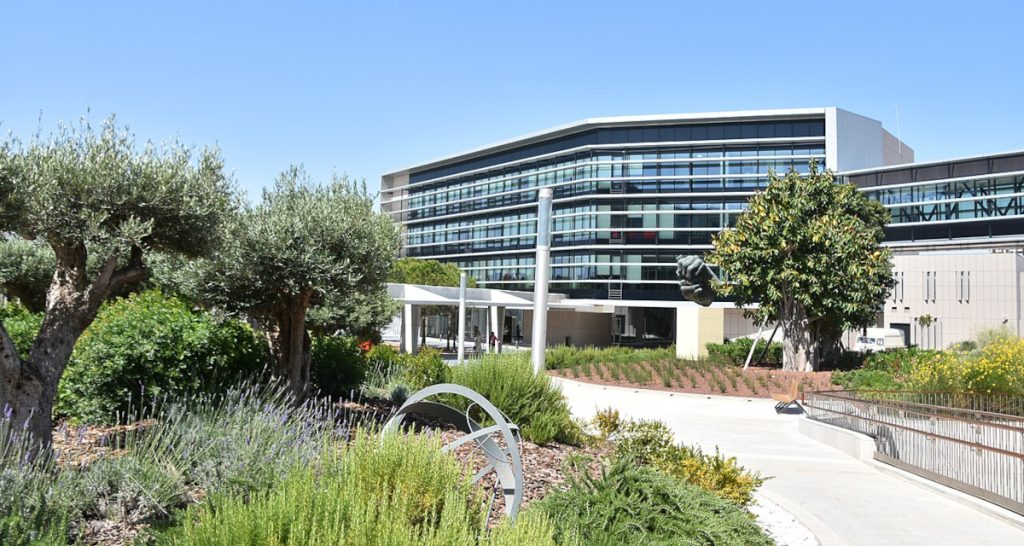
[{"x": 842, "y": 500}]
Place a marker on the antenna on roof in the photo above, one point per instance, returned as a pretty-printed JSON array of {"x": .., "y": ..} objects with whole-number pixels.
[{"x": 899, "y": 136}]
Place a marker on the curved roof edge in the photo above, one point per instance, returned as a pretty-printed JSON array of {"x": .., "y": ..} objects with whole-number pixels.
[{"x": 577, "y": 126}]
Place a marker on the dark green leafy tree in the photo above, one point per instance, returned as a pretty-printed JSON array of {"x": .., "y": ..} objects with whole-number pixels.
[
  {"x": 303, "y": 246},
  {"x": 807, "y": 252},
  {"x": 94, "y": 197},
  {"x": 431, "y": 273}
]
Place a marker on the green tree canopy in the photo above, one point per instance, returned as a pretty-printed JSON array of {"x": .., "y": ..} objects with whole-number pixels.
[
  {"x": 303, "y": 245},
  {"x": 95, "y": 197},
  {"x": 26, "y": 269},
  {"x": 426, "y": 272},
  {"x": 807, "y": 253},
  {"x": 431, "y": 273}
]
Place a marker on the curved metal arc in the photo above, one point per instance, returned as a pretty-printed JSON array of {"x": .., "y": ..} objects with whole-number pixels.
[{"x": 508, "y": 472}]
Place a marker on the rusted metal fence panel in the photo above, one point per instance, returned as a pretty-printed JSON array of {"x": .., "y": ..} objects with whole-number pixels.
[{"x": 974, "y": 443}]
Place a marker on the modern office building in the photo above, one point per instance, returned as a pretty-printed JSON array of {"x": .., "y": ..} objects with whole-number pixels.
[
  {"x": 957, "y": 230},
  {"x": 631, "y": 194}
]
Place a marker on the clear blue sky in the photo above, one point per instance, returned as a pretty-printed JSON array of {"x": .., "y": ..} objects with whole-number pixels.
[{"x": 368, "y": 87}]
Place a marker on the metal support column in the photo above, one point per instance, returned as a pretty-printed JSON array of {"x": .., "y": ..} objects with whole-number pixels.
[
  {"x": 462, "y": 317},
  {"x": 540, "y": 279},
  {"x": 410, "y": 328}
]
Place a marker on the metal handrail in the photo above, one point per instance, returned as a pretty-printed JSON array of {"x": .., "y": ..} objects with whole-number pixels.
[
  {"x": 905, "y": 406},
  {"x": 986, "y": 399},
  {"x": 958, "y": 447},
  {"x": 929, "y": 434}
]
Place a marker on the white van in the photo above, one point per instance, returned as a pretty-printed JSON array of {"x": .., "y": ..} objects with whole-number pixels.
[{"x": 880, "y": 339}]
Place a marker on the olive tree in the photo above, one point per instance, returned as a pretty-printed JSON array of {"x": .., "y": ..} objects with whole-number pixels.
[
  {"x": 94, "y": 197},
  {"x": 361, "y": 314},
  {"x": 807, "y": 254},
  {"x": 303, "y": 245}
]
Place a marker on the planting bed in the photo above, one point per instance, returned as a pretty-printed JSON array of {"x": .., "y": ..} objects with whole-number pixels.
[
  {"x": 78, "y": 446},
  {"x": 698, "y": 377}
]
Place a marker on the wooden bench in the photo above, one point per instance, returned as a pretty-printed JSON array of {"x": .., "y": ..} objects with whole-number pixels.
[{"x": 789, "y": 398}]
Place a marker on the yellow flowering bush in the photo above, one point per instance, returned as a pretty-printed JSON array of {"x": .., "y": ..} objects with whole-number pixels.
[
  {"x": 998, "y": 368},
  {"x": 937, "y": 371}
]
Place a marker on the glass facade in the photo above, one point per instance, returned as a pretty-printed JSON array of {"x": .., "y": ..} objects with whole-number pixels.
[
  {"x": 628, "y": 200},
  {"x": 981, "y": 197}
]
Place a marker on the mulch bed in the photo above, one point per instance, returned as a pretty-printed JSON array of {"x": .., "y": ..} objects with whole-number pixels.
[{"x": 725, "y": 381}]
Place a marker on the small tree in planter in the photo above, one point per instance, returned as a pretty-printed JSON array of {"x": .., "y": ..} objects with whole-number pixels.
[{"x": 807, "y": 253}]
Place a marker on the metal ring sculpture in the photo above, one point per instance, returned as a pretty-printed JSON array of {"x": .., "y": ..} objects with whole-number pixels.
[{"x": 506, "y": 462}]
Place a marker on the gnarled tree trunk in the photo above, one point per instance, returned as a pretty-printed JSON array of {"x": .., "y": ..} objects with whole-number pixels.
[
  {"x": 289, "y": 342},
  {"x": 28, "y": 386}
]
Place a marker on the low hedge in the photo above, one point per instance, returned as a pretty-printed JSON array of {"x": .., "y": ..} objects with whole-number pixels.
[{"x": 556, "y": 358}]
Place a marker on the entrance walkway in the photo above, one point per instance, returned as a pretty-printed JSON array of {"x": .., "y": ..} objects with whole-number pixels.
[{"x": 842, "y": 500}]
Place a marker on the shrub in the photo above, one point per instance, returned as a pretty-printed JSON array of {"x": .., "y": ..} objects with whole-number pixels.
[
  {"x": 735, "y": 351},
  {"x": 400, "y": 491},
  {"x": 232, "y": 445},
  {"x": 996, "y": 368},
  {"x": 531, "y": 401},
  {"x": 27, "y": 519},
  {"x": 994, "y": 335},
  {"x": 887, "y": 370},
  {"x": 965, "y": 346},
  {"x": 644, "y": 441},
  {"x": 864, "y": 379},
  {"x": 31, "y": 510},
  {"x": 716, "y": 473},
  {"x": 608, "y": 422},
  {"x": 385, "y": 354},
  {"x": 21, "y": 324},
  {"x": 338, "y": 365},
  {"x": 652, "y": 443},
  {"x": 153, "y": 345},
  {"x": 423, "y": 369},
  {"x": 635, "y": 504},
  {"x": 556, "y": 358}
]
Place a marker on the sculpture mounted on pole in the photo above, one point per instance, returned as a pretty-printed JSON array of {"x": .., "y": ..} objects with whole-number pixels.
[{"x": 696, "y": 280}]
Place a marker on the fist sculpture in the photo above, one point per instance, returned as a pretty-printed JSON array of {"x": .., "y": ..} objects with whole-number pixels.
[{"x": 695, "y": 278}]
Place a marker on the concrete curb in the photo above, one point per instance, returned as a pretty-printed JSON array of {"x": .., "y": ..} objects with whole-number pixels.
[{"x": 856, "y": 445}]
